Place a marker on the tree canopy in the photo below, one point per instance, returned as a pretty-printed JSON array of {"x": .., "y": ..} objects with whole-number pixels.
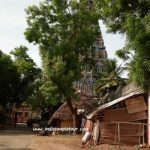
[
  {"x": 64, "y": 31},
  {"x": 27, "y": 70},
  {"x": 131, "y": 18},
  {"x": 110, "y": 78},
  {"x": 9, "y": 78},
  {"x": 43, "y": 93}
]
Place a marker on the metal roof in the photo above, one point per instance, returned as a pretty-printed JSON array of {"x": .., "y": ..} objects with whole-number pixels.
[{"x": 118, "y": 100}]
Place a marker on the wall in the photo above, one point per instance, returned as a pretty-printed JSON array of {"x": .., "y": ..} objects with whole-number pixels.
[
  {"x": 129, "y": 133},
  {"x": 67, "y": 123}
]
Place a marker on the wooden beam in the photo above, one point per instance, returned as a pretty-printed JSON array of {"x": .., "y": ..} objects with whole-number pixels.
[
  {"x": 136, "y": 104},
  {"x": 148, "y": 128}
]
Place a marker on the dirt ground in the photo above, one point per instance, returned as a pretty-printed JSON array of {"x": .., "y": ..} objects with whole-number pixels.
[
  {"x": 73, "y": 142},
  {"x": 23, "y": 138}
]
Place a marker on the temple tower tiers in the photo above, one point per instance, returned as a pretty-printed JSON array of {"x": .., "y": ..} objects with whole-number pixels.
[
  {"x": 90, "y": 71},
  {"x": 98, "y": 54}
]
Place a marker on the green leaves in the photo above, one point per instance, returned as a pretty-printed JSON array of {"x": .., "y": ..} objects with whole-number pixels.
[
  {"x": 27, "y": 69},
  {"x": 9, "y": 78},
  {"x": 110, "y": 79},
  {"x": 43, "y": 93},
  {"x": 22, "y": 60},
  {"x": 140, "y": 71},
  {"x": 64, "y": 30},
  {"x": 131, "y": 18}
]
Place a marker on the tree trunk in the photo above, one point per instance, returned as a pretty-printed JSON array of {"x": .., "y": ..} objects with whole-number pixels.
[{"x": 74, "y": 113}]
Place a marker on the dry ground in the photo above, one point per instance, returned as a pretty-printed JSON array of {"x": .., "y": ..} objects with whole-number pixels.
[
  {"x": 72, "y": 142},
  {"x": 23, "y": 138}
]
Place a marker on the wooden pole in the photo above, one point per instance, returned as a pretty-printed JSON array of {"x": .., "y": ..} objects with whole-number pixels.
[
  {"x": 139, "y": 134},
  {"x": 143, "y": 135},
  {"x": 97, "y": 132},
  {"x": 116, "y": 134},
  {"x": 148, "y": 127},
  {"x": 119, "y": 134}
]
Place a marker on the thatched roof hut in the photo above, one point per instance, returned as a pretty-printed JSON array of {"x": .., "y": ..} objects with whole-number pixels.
[{"x": 88, "y": 104}]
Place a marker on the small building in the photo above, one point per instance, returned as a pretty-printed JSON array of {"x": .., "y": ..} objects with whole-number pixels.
[
  {"x": 63, "y": 117},
  {"x": 124, "y": 120},
  {"x": 21, "y": 113}
]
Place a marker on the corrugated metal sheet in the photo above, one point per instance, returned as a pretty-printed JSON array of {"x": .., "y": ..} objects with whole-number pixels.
[{"x": 118, "y": 100}]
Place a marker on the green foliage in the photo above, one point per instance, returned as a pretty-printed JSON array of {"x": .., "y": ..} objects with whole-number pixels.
[
  {"x": 110, "y": 79},
  {"x": 22, "y": 60},
  {"x": 24, "y": 63},
  {"x": 131, "y": 18},
  {"x": 9, "y": 78},
  {"x": 43, "y": 93},
  {"x": 27, "y": 69},
  {"x": 64, "y": 31},
  {"x": 140, "y": 71}
]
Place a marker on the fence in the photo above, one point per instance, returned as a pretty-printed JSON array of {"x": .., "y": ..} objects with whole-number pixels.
[{"x": 141, "y": 131}]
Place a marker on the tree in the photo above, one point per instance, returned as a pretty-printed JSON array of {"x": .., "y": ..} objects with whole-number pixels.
[
  {"x": 64, "y": 31},
  {"x": 43, "y": 93},
  {"x": 110, "y": 78},
  {"x": 132, "y": 19},
  {"x": 9, "y": 78},
  {"x": 27, "y": 69}
]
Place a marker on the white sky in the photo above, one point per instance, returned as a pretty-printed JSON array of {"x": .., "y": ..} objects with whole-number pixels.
[{"x": 13, "y": 25}]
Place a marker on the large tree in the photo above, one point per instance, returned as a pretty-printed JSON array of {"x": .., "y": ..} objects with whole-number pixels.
[
  {"x": 131, "y": 18},
  {"x": 9, "y": 79},
  {"x": 27, "y": 69},
  {"x": 64, "y": 31},
  {"x": 43, "y": 93}
]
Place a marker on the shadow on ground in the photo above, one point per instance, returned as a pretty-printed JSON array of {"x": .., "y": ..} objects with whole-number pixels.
[
  {"x": 18, "y": 130},
  {"x": 17, "y": 149}
]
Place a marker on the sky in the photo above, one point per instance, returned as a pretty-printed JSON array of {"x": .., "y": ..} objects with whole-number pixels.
[{"x": 13, "y": 25}]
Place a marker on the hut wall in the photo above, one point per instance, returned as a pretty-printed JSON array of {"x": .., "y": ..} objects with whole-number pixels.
[
  {"x": 67, "y": 123},
  {"x": 19, "y": 117},
  {"x": 25, "y": 116},
  {"x": 22, "y": 114},
  {"x": 136, "y": 104},
  {"x": 121, "y": 114},
  {"x": 129, "y": 133}
]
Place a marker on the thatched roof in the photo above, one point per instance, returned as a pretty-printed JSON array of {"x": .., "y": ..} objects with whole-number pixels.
[
  {"x": 64, "y": 113},
  {"x": 91, "y": 106}
]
